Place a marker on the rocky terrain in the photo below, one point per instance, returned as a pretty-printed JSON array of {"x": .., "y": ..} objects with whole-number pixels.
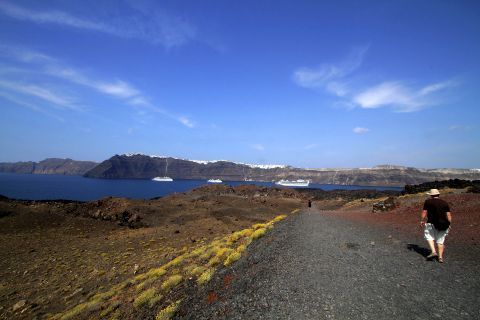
[
  {"x": 58, "y": 254},
  {"x": 472, "y": 185},
  {"x": 87, "y": 260},
  {"x": 350, "y": 263},
  {"x": 138, "y": 166},
  {"x": 49, "y": 166}
]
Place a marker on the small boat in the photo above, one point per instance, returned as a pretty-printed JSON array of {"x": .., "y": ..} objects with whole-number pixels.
[
  {"x": 295, "y": 183},
  {"x": 162, "y": 179},
  {"x": 214, "y": 181}
]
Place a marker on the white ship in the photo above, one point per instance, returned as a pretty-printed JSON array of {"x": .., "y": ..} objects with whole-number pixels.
[
  {"x": 214, "y": 181},
  {"x": 165, "y": 178},
  {"x": 162, "y": 179},
  {"x": 296, "y": 183}
]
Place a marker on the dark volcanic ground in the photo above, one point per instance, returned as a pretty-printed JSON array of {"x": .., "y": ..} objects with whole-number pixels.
[
  {"x": 350, "y": 264},
  {"x": 56, "y": 254}
]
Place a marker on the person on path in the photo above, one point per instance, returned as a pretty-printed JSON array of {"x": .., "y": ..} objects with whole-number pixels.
[{"x": 435, "y": 219}]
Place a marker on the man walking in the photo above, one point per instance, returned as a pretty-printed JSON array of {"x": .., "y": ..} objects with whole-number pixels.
[{"x": 436, "y": 218}]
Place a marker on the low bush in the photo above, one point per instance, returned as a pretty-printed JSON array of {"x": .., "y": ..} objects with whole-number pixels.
[{"x": 171, "y": 282}]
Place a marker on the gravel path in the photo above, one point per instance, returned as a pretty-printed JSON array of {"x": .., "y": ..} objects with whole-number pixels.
[{"x": 318, "y": 266}]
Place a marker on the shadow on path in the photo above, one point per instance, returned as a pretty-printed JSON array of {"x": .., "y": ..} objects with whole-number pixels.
[{"x": 420, "y": 250}]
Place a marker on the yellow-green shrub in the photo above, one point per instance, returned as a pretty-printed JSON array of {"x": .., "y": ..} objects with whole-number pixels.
[
  {"x": 232, "y": 258},
  {"x": 198, "y": 271},
  {"x": 156, "y": 273},
  {"x": 175, "y": 262},
  {"x": 258, "y": 233},
  {"x": 84, "y": 307},
  {"x": 144, "y": 297},
  {"x": 206, "y": 276},
  {"x": 171, "y": 282},
  {"x": 241, "y": 248},
  {"x": 168, "y": 312},
  {"x": 258, "y": 226}
]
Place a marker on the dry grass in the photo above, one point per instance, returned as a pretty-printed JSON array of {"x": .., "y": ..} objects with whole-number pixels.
[
  {"x": 232, "y": 258},
  {"x": 81, "y": 308},
  {"x": 156, "y": 273},
  {"x": 258, "y": 234},
  {"x": 200, "y": 263},
  {"x": 279, "y": 218},
  {"x": 168, "y": 312},
  {"x": 206, "y": 276},
  {"x": 144, "y": 297},
  {"x": 171, "y": 282},
  {"x": 198, "y": 271},
  {"x": 259, "y": 226}
]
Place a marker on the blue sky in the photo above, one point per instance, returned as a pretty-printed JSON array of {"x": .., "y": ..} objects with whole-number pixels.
[{"x": 306, "y": 83}]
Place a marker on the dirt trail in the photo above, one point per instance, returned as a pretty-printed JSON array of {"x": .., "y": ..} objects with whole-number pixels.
[{"x": 319, "y": 265}]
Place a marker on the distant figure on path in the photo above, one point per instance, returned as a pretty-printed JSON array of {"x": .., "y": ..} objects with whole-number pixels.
[{"x": 435, "y": 219}]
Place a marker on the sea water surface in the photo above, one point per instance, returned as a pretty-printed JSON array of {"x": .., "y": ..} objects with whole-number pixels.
[{"x": 51, "y": 187}]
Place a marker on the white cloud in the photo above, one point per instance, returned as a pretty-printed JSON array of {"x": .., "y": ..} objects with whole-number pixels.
[
  {"x": 186, "y": 122},
  {"x": 258, "y": 147},
  {"x": 387, "y": 93},
  {"x": 328, "y": 76},
  {"x": 144, "y": 23},
  {"x": 436, "y": 87},
  {"x": 459, "y": 128},
  {"x": 337, "y": 88},
  {"x": 118, "y": 88},
  {"x": 28, "y": 105},
  {"x": 360, "y": 130},
  {"x": 40, "y": 92},
  {"x": 399, "y": 96},
  {"x": 336, "y": 79},
  {"x": 51, "y": 67}
]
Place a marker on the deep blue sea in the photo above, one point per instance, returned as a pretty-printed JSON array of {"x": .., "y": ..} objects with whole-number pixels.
[{"x": 50, "y": 186}]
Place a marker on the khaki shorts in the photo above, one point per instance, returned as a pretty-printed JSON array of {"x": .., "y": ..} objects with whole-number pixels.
[{"x": 431, "y": 233}]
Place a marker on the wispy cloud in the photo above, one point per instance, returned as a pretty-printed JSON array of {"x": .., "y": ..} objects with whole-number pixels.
[
  {"x": 186, "y": 122},
  {"x": 330, "y": 76},
  {"x": 144, "y": 23},
  {"x": 49, "y": 66},
  {"x": 360, "y": 130},
  {"x": 258, "y": 147},
  {"x": 337, "y": 79},
  {"x": 116, "y": 88},
  {"x": 46, "y": 94},
  {"x": 28, "y": 105},
  {"x": 436, "y": 87},
  {"x": 399, "y": 96},
  {"x": 457, "y": 127}
]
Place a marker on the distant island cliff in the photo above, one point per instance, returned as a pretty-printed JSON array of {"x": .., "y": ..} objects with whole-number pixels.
[
  {"x": 49, "y": 166},
  {"x": 139, "y": 166}
]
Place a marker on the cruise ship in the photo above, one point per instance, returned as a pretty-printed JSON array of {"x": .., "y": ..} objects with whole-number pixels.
[
  {"x": 162, "y": 179},
  {"x": 295, "y": 183},
  {"x": 214, "y": 181}
]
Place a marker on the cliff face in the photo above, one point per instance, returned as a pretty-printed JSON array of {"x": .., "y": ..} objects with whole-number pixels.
[
  {"x": 49, "y": 166},
  {"x": 146, "y": 167}
]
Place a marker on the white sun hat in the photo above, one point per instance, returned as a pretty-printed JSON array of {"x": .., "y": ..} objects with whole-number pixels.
[{"x": 433, "y": 192}]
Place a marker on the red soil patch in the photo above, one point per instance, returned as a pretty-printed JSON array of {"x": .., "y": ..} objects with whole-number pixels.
[{"x": 465, "y": 208}]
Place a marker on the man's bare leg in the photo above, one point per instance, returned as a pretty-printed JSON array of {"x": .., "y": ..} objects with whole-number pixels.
[
  {"x": 433, "y": 252},
  {"x": 440, "y": 251}
]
